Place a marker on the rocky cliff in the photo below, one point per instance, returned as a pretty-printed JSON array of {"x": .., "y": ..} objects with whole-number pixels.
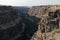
[
  {"x": 40, "y": 23},
  {"x": 49, "y": 24}
]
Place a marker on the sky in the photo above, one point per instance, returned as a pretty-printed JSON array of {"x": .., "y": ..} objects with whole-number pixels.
[{"x": 29, "y": 2}]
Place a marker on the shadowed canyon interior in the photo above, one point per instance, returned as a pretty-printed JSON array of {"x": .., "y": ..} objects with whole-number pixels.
[{"x": 11, "y": 25}]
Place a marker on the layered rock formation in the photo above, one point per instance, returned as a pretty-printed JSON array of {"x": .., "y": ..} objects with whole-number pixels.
[
  {"x": 40, "y": 23},
  {"x": 11, "y": 25},
  {"x": 49, "y": 25}
]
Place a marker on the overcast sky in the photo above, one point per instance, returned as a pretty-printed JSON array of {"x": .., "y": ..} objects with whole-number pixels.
[{"x": 29, "y": 2}]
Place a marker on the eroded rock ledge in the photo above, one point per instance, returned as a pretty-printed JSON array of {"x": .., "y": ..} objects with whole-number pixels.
[{"x": 50, "y": 21}]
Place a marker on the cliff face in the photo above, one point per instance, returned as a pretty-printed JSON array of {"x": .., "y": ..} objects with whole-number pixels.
[
  {"x": 11, "y": 25},
  {"x": 40, "y": 23},
  {"x": 49, "y": 23}
]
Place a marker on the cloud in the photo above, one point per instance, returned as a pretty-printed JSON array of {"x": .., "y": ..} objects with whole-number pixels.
[
  {"x": 8, "y": 2},
  {"x": 29, "y": 2}
]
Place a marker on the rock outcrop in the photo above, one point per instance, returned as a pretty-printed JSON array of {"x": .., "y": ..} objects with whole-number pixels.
[{"x": 49, "y": 23}]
